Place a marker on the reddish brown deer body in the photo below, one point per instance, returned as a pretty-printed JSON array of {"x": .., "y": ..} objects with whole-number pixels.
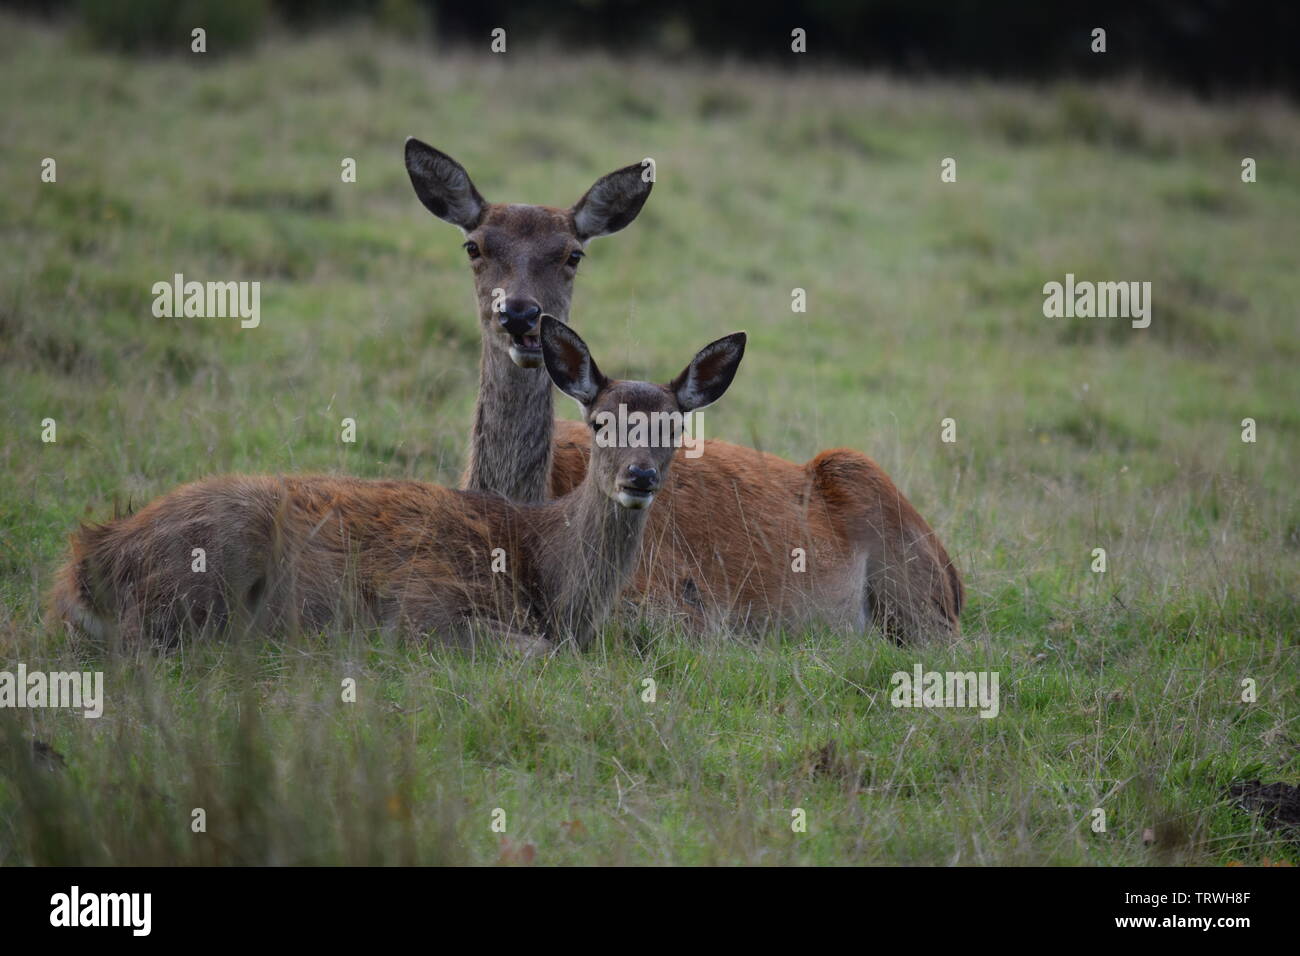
[
  {"x": 720, "y": 547},
  {"x": 310, "y": 552}
]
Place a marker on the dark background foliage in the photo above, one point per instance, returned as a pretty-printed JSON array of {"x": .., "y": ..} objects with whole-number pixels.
[{"x": 1208, "y": 46}]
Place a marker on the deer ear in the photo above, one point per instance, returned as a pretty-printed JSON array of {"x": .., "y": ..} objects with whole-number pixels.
[
  {"x": 613, "y": 202},
  {"x": 569, "y": 362},
  {"x": 710, "y": 372},
  {"x": 443, "y": 185}
]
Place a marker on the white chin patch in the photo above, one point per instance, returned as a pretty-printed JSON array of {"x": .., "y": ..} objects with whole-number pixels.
[
  {"x": 634, "y": 501},
  {"x": 525, "y": 359}
]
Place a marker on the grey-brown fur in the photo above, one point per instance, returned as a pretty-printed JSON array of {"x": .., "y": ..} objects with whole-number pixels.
[{"x": 527, "y": 253}]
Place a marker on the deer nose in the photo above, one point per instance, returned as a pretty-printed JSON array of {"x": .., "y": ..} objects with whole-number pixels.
[
  {"x": 520, "y": 316},
  {"x": 642, "y": 479}
]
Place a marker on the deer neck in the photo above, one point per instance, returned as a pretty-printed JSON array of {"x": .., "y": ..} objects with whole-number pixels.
[
  {"x": 592, "y": 545},
  {"x": 510, "y": 446}
]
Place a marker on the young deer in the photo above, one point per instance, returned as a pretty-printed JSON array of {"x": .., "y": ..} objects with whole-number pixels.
[
  {"x": 316, "y": 551},
  {"x": 720, "y": 547}
]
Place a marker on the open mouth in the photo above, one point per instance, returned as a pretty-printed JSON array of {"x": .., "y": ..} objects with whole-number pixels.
[
  {"x": 526, "y": 350},
  {"x": 635, "y": 498}
]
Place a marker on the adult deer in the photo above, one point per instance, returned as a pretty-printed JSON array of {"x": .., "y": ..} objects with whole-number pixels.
[
  {"x": 317, "y": 551},
  {"x": 741, "y": 540}
]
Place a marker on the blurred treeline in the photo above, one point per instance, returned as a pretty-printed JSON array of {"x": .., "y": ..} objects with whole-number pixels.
[{"x": 1208, "y": 46}]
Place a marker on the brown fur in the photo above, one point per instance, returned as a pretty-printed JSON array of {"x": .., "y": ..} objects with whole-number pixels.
[
  {"x": 284, "y": 552},
  {"x": 313, "y": 551},
  {"x": 718, "y": 546},
  {"x": 306, "y": 552},
  {"x": 719, "y": 542}
]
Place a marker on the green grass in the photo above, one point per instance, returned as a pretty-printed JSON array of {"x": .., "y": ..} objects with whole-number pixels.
[{"x": 1120, "y": 691}]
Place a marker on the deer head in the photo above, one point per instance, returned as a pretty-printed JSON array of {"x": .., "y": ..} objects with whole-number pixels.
[
  {"x": 524, "y": 257},
  {"x": 625, "y": 468}
]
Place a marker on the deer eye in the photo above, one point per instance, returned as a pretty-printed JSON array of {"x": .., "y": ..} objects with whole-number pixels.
[
  {"x": 574, "y": 258},
  {"x": 472, "y": 248}
]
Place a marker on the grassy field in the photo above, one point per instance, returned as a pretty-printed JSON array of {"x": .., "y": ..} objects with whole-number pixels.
[{"x": 1120, "y": 691}]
